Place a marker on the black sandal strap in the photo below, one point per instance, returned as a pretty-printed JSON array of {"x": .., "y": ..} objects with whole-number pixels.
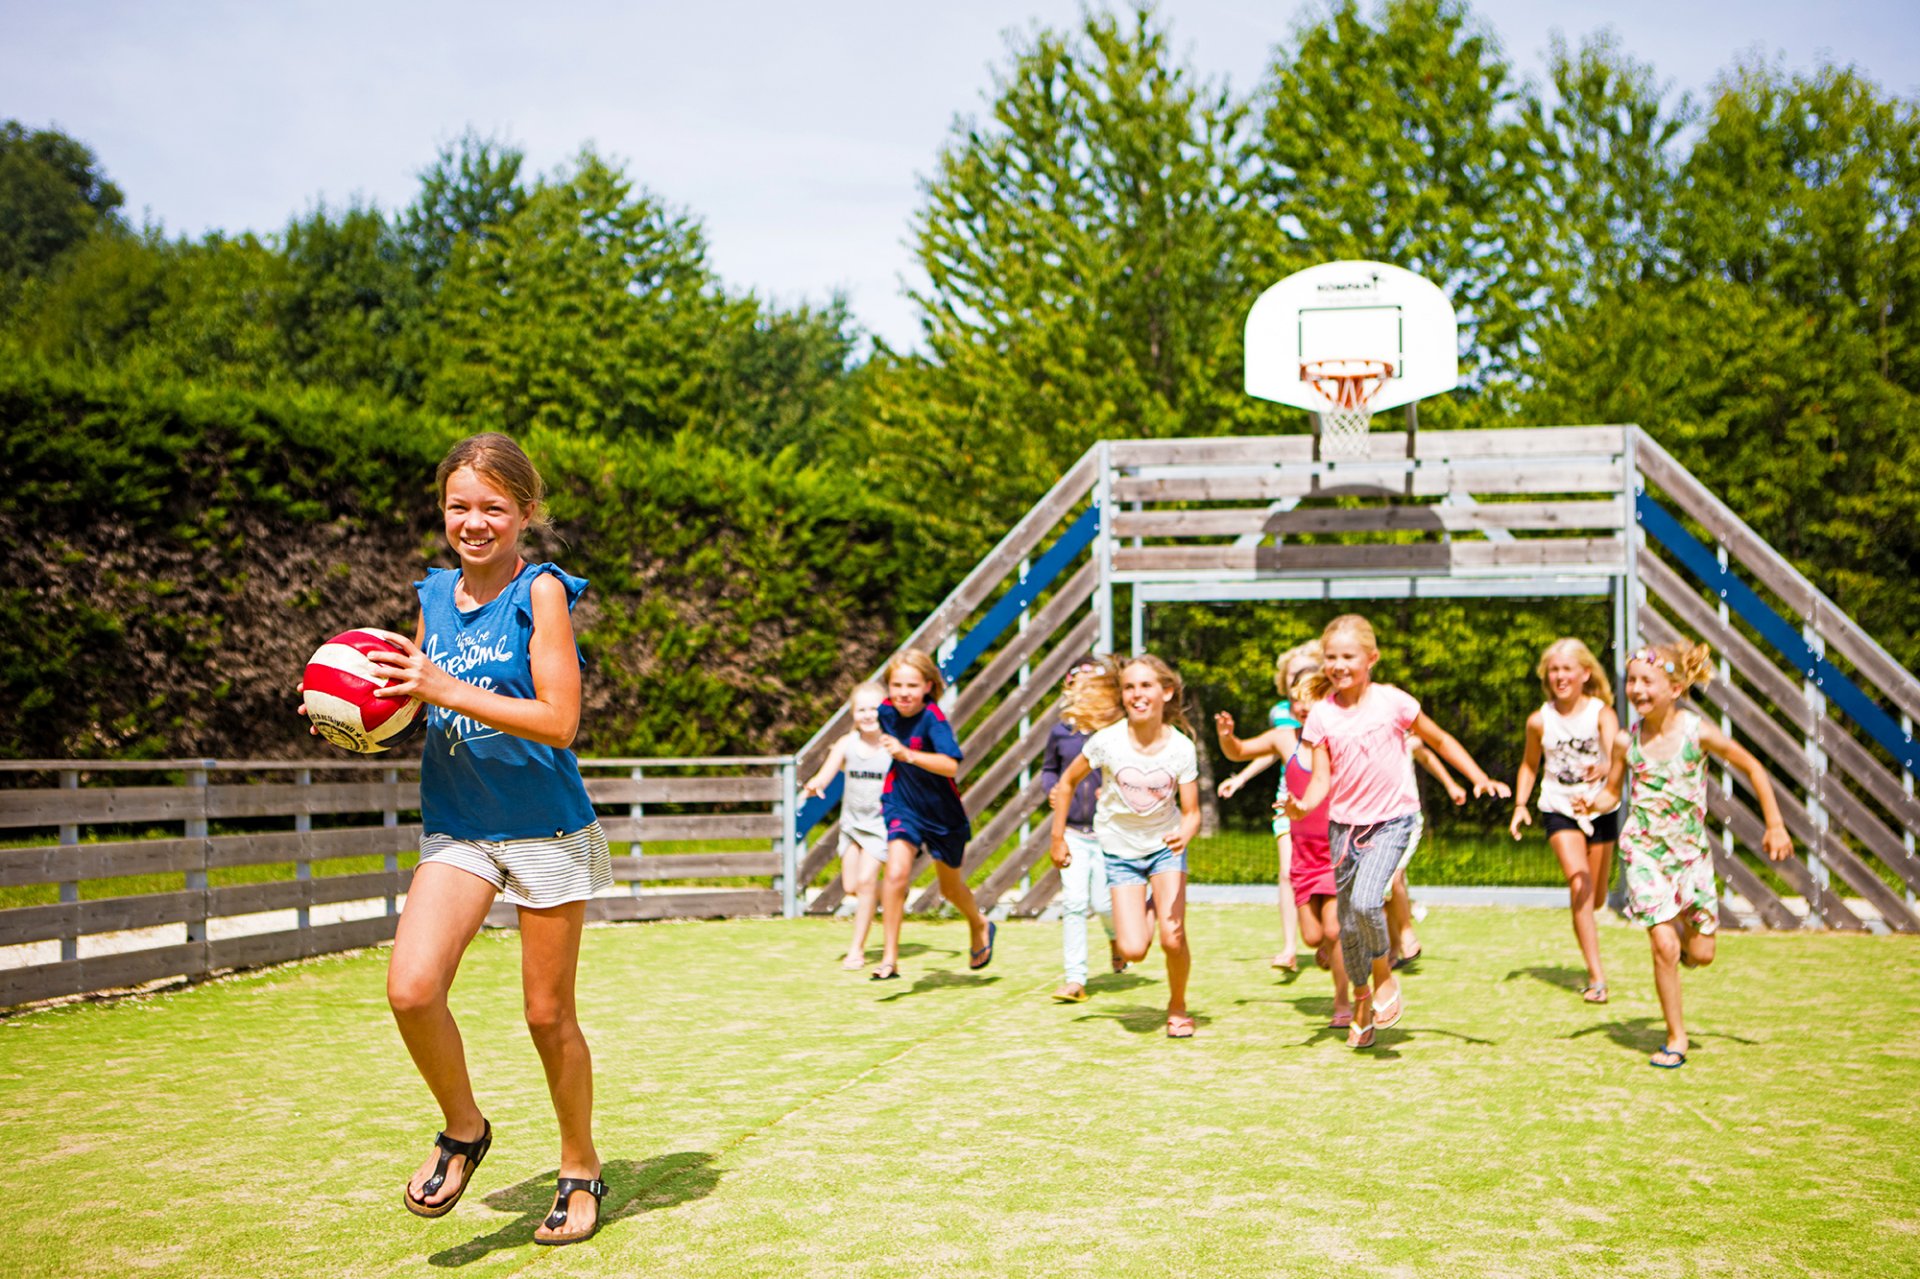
[
  {"x": 564, "y": 1192},
  {"x": 472, "y": 1151}
]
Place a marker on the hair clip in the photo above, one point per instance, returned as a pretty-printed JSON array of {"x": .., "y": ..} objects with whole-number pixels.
[{"x": 1652, "y": 658}]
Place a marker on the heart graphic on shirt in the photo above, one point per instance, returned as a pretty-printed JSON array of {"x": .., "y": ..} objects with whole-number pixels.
[{"x": 1143, "y": 789}]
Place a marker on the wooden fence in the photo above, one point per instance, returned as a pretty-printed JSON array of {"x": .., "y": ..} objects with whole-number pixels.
[
  {"x": 1537, "y": 511},
  {"x": 183, "y": 868}
]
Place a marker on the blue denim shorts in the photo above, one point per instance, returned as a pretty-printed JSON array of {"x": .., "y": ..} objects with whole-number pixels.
[{"x": 1141, "y": 870}]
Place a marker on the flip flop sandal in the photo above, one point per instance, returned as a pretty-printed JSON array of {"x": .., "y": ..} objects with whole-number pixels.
[
  {"x": 1070, "y": 994},
  {"x": 1341, "y": 1021},
  {"x": 1292, "y": 966},
  {"x": 472, "y": 1151},
  {"x": 1113, "y": 957},
  {"x": 886, "y": 972},
  {"x": 558, "y": 1217},
  {"x": 1679, "y": 1059},
  {"x": 1381, "y": 1017},
  {"x": 1594, "y": 992},
  {"x": 1362, "y": 1040},
  {"x": 984, "y": 955},
  {"x": 1179, "y": 1026}
]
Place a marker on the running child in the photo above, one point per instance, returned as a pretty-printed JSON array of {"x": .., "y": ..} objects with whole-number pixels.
[
  {"x": 502, "y": 811},
  {"x": 1663, "y": 839},
  {"x": 1569, "y": 747},
  {"x": 1315, "y": 894},
  {"x": 1147, "y": 814},
  {"x": 1088, "y": 704},
  {"x": 863, "y": 832},
  {"x": 1274, "y": 745},
  {"x": 1357, "y": 735},
  {"x": 922, "y": 806}
]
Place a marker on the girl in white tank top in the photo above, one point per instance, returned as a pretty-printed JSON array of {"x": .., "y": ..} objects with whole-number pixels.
[
  {"x": 863, "y": 831},
  {"x": 1569, "y": 744}
]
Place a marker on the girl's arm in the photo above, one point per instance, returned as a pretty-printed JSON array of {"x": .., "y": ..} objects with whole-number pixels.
[
  {"x": 1261, "y": 763},
  {"x": 940, "y": 765},
  {"x": 1777, "y": 843},
  {"x": 1189, "y": 817},
  {"x": 1530, "y": 767},
  {"x": 1609, "y": 729},
  {"x": 1431, "y": 762},
  {"x": 1609, "y": 797},
  {"x": 1317, "y": 788},
  {"x": 816, "y": 786},
  {"x": 1448, "y": 748},
  {"x": 1061, "y": 797},
  {"x": 551, "y": 716}
]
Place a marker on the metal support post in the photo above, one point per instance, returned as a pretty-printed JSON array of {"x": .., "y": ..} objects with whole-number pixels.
[
  {"x": 789, "y": 810},
  {"x": 69, "y": 888},
  {"x": 1817, "y": 761},
  {"x": 1103, "y": 547},
  {"x": 196, "y": 828},
  {"x": 635, "y": 811},
  {"x": 303, "y": 867}
]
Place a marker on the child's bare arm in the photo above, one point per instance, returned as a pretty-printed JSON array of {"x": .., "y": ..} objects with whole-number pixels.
[
  {"x": 1061, "y": 798},
  {"x": 1448, "y": 748},
  {"x": 1317, "y": 787},
  {"x": 1776, "y": 842},
  {"x": 1189, "y": 817},
  {"x": 1609, "y": 797},
  {"x": 816, "y": 786},
  {"x": 1431, "y": 762},
  {"x": 1233, "y": 785},
  {"x": 1529, "y": 768}
]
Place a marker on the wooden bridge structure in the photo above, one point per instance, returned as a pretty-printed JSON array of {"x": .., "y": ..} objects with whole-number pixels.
[{"x": 1594, "y": 511}]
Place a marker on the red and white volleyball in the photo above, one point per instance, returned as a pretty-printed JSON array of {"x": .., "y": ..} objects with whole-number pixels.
[{"x": 339, "y": 688}]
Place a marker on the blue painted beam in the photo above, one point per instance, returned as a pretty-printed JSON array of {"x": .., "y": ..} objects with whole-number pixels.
[
  {"x": 1782, "y": 634},
  {"x": 1006, "y": 611}
]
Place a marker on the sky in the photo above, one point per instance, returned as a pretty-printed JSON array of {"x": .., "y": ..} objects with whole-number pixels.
[{"x": 799, "y": 134}]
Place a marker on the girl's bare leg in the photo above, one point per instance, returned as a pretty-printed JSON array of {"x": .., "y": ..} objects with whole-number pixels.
[
  {"x": 893, "y": 900},
  {"x": 1170, "y": 895},
  {"x": 1289, "y": 923},
  {"x": 1133, "y": 930},
  {"x": 1330, "y": 928},
  {"x": 445, "y": 908},
  {"x": 1400, "y": 919},
  {"x": 1576, "y": 863},
  {"x": 549, "y": 966},
  {"x": 866, "y": 899},
  {"x": 953, "y": 887},
  {"x": 1665, "y": 939}
]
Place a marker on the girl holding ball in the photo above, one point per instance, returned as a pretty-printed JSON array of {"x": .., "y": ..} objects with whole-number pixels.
[{"x": 503, "y": 811}]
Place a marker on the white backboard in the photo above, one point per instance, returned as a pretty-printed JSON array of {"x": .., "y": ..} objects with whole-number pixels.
[{"x": 1352, "y": 311}]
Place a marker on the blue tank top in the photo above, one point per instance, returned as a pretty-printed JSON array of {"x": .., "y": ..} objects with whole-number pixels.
[{"x": 478, "y": 782}]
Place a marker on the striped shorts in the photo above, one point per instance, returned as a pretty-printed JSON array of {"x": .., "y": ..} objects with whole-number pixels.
[{"x": 536, "y": 873}]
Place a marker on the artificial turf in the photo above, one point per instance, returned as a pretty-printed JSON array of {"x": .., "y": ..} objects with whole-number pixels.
[{"x": 762, "y": 1112}]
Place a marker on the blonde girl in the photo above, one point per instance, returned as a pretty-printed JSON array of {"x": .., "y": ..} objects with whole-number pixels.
[
  {"x": 1569, "y": 746},
  {"x": 921, "y": 805},
  {"x": 503, "y": 811},
  {"x": 1089, "y": 702},
  {"x": 1663, "y": 840},
  {"x": 1357, "y": 735},
  {"x": 1148, "y": 812},
  {"x": 1275, "y": 745},
  {"x": 1315, "y": 892},
  {"x": 863, "y": 832}
]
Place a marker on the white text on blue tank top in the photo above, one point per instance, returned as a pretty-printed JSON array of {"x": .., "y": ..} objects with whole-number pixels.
[{"x": 474, "y": 651}]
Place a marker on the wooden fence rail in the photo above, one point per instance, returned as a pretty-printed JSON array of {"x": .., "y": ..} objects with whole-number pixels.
[{"x": 108, "y": 924}]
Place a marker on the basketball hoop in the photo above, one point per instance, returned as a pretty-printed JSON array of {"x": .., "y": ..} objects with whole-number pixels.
[{"x": 1348, "y": 387}]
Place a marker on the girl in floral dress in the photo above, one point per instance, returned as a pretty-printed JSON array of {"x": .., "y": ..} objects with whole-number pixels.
[{"x": 1663, "y": 842}]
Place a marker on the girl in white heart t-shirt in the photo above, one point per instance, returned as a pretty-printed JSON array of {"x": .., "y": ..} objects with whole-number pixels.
[{"x": 1149, "y": 810}]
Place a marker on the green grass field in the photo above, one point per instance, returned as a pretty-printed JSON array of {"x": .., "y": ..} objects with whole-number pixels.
[{"x": 763, "y": 1113}]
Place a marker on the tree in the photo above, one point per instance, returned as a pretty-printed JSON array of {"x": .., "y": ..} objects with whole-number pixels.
[
  {"x": 53, "y": 195},
  {"x": 470, "y": 191},
  {"x": 1087, "y": 254}
]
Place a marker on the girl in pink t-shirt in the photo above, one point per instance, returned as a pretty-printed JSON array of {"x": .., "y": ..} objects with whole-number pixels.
[{"x": 1357, "y": 734}]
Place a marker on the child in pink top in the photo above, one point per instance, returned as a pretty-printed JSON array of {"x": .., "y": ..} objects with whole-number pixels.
[{"x": 1357, "y": 735}]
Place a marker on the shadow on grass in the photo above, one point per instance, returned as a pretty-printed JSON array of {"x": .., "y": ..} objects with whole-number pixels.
[
  {"x": 1114, "y": 983},
  {"x": 1143, "y": 1019},
  {"x": 1648, "y": 1035},
  {"x": 940, "y": 979},
  {"x": 1564, "y": 976},
  {"x": 634, "y": 1186}
]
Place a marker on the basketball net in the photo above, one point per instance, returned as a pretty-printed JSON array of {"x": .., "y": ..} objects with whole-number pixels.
[{"x": 1348, "y": 387}]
